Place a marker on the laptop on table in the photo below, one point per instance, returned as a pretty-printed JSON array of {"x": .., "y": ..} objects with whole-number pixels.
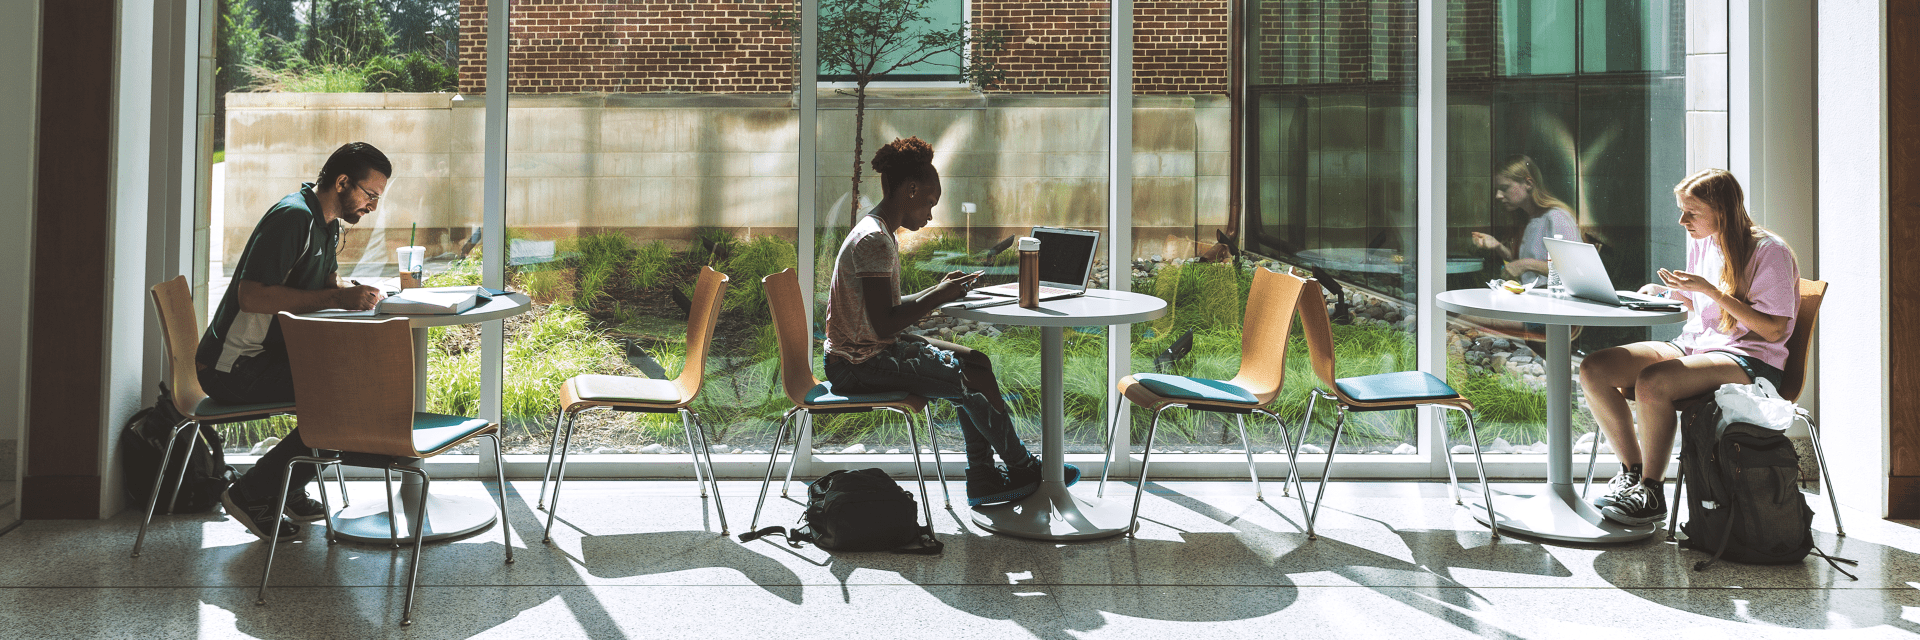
[
  {"x": 1578, "y": 264},
  {"x": 1066, "y": 259}
]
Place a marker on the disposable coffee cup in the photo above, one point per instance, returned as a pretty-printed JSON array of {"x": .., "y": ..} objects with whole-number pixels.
[{"x": 412, "y": 260}]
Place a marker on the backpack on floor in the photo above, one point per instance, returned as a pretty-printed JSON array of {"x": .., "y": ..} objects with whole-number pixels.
[
  {"x": 859, "y": 510},
  {"x": 143, "y": 443},
  {"x": 1743, "y": 495}
]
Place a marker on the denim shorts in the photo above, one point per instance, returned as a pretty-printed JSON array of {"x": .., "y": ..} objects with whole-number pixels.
[{"x": 1755, "y": 368}]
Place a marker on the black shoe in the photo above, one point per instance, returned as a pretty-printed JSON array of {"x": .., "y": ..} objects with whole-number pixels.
[
  {"x": 1620, "y": 483},
  {"x": 1638, "y": 505},
  {"x": 303, "y": 508},
  {"x": 258, "y": 517},
  {"x": 1031, "y": 471},
  {"x": 992, "y": 486}
]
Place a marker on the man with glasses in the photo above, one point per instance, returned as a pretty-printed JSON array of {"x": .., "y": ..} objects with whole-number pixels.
[{"x": 289, "y": 264}]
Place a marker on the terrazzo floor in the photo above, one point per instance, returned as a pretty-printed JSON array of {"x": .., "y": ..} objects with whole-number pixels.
[{"x": 644, "y": 559}]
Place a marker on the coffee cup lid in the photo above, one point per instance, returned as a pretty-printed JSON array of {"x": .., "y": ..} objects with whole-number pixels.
[{"x": 1029, "y": 244}]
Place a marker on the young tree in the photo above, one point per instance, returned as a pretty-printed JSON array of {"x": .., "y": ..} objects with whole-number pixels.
[
  {"x": 868, "y": 39},
  {"x": 345, "y": 32}
]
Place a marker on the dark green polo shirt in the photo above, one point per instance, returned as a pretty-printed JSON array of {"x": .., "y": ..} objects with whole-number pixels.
[{"x": 291, "y": 246}]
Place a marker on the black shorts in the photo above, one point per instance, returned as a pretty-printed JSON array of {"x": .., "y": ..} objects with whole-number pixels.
[{"x": 1754, "y": 367}]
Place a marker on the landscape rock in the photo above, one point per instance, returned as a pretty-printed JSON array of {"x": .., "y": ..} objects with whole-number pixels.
[
  {"x": 652, "y": 448},
  {"x": 858, "y": 448},
  {"x": 1405, "y": 449}
]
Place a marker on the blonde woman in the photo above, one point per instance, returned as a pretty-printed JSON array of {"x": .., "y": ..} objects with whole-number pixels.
[
  {"x": 1517, "y": 185},
  {"x": 1741, "y": 289}
]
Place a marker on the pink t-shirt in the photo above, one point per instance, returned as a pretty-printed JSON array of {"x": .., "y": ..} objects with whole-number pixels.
[
  {"x": 1775, "y": 291},
  {"x": 868, "y": 251}
]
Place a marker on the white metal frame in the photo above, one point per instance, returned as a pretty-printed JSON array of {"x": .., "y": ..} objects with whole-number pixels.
[{"x": 1431, "y": 355}]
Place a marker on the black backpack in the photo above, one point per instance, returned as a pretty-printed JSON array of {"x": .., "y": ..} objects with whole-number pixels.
[
  {"x": 1743, "y": 493},
  {"x": 144, "y": 441},
  {"x": 860, "y": 510}
]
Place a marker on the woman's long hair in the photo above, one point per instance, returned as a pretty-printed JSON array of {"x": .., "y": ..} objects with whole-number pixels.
[
  {"x": 1738, "y": 236},
  {"x": 1519, "y": 168}
]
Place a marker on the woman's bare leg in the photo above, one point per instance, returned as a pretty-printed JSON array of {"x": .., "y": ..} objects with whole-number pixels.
[
  {"x": 1605, "y": 375},
  {"x": 1664, "y": 383}
]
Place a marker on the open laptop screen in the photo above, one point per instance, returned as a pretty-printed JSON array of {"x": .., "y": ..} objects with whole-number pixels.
[{"x": 1066, "y": 255}]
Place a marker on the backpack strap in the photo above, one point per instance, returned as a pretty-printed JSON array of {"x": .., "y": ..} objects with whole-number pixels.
[
  {"x": 924, "y": 544},
  {"x": 1733, "y": 515},
  {"x": 1833, "y": 561},
  {"x": 795, "y": 537}
]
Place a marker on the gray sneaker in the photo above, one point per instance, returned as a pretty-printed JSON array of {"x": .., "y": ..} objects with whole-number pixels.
[
  {"x": 1638, "y": 505},
  {"x": 258, "y": 517}
]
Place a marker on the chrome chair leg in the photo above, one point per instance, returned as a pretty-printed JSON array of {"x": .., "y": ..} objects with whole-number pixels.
[
  {"x": 420, "y": 534},
  {"x": 1453, "y": 477},
  {"x": 160, "y": 478},
  {"x": 186, "y": 457},
  {"x": 1133, "y": 522},
  {"x": 500, "y": 473},
  {"x": 939, "y": 470},
  {"x": 1820, "y": 458},
  {"x": 1113, "y": 430},
  {"x": 273, "y": 539},
  {"x": 1293, "y": 461},
  {"x": 393, "y": 515},
  {"x": 561, "y": 418},
  {"x": 340, "y": 476},
  {"x": 566, "y": 443},
  {"x": 1486, "y": 490},
  {"x": 326, "y": 507},
  {"x": 1593, "y": 453},
  {"x": 1679, "y": 489},
  {"x": 913, "y": 440},
  {"x": 1247, "y": 445},
  {"x": 773, "y": 455},
  {"x": 806, "y": 429},
  {"x": 687, "y": 431},
  {"x": 713, "y": 477},
  {"x": 1326, "y": 474}
]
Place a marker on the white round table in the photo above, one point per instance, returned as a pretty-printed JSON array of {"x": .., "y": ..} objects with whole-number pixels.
[
  {"x": 1053, "y": 512},
  {"x": 447, "y": 516},
  {"x": 1560, "y": 513}
]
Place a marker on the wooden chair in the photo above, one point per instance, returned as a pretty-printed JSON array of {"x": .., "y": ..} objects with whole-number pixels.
[
  {"x": 359, "y": 405},
  {"x": 1263, "y": 364},
  {"x": 180, "y": 332},
  {"x": 1792, "y": 383},
  {"x": 814, "y": 397},
  {"x": 1378, "y": 392},
  {"x": 641, "y": 395}
]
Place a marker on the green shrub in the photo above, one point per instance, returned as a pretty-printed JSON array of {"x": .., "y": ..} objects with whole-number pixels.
[
  {"x": 757, "y": 258},
  {"x": 650, "y": 264},
  {"x": 558, "y": 344}
]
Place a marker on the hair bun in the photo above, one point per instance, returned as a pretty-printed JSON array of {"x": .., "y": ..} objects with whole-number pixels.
[{"x": 903, "y": 154}]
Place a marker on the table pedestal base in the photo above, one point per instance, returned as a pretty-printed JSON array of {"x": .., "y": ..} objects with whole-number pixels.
[
  {"x": 1560, "y": 514},
  {"x": 447, "y": 517},
  {"x": 1054, "y": 513}
]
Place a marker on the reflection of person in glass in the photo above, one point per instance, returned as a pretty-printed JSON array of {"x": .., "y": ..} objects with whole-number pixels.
[
  {"x": 1519, "y": 188},
  {"x": 1741, "y": 288},
  {"x": 867, "y": 353}
]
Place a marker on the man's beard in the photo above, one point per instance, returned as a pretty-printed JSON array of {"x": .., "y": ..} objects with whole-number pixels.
[{"x": 347, "y": 212}]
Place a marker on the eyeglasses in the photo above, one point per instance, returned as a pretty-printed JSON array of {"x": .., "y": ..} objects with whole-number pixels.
[{"x": 373, "y": 198}]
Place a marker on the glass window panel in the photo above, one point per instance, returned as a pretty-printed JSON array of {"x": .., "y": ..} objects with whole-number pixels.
[
  {"x": 643, "y": 149},
  {"x": 1606, "y": 146},
  {"x": 1030, "y": 150},
  {"x": 295, "y": 79},
  {"x": 1331, "y": 140}
]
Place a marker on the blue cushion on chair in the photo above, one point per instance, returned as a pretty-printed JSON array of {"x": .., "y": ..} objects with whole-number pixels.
[
  {"x": 1405, "y": 386},
  {"x": 1200, "y": 389},
  {"x": 823, "y": 394},
  {"x": 432, "y": 431}
]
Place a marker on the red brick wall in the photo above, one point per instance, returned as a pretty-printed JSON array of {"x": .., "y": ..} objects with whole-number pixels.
[
  {"x": 1344, "y": 41},
  {"x": 580, "y": 46}
]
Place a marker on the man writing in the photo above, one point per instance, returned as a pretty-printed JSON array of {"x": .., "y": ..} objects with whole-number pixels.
[{"x": 288, "y": 265}]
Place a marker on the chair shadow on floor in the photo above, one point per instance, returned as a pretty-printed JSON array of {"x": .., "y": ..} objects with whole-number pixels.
[{"x": 1805, "y": 595}]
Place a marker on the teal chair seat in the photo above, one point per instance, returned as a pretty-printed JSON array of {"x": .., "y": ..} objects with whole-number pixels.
[
  {"x": 823, "y": 393},
  {"x": 605, "y": 388},
  {"x": 434, "y": 431},
  {"x": 210, "y": 409},
  {"x": 1402, "y": 386},
  {"x": 1195, "y": 389}
]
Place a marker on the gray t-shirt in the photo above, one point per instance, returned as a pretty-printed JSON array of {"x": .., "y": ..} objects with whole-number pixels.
[
  {"x": 1533, "y": 241},
  {"x": 869, "y": 251}
]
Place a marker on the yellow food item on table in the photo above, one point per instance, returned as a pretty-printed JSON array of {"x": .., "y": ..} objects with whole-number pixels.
[{"x": 1513, "y": 287}]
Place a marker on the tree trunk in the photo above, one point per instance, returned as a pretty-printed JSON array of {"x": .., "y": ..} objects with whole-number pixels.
[{"x": 859, "y": 138}]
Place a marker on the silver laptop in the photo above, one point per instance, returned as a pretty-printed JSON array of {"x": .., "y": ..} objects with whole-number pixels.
[
  {"x": 1586, "y": 278},
  {"x": 1066, "y": 259}
]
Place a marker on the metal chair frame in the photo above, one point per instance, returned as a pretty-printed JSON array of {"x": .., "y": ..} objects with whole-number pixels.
[
  {"x": 1240, "y": 419},
  {"x": 913, "y": 437},
  {"x": 563, "y": 447},
  {"x": 1453, "y": 478}
]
